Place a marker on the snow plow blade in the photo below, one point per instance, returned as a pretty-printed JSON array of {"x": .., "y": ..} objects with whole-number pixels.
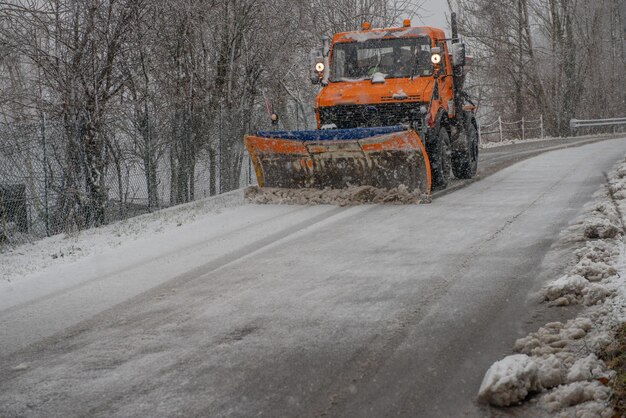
[{"x": 384, "y": 158}]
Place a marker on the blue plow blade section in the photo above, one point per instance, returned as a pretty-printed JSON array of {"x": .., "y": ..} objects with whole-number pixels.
[{"x": 353, "y": 134}]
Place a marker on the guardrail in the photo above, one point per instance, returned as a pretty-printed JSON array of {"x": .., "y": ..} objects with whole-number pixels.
[{"x": 575, "y": 124}]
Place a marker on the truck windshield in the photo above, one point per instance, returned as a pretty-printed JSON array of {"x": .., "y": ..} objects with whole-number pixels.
[{"x": 394, "y": 58}]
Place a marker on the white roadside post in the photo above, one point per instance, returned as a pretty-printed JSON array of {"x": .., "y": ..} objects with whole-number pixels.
[{"x": 500, "y": 127}]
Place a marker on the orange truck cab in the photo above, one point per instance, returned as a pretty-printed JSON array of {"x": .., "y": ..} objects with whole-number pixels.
[{"x": 401, "y": 76}]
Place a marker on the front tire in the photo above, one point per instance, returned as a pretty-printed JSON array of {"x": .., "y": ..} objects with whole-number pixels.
[
  {"x": 440, "y": 157},
  {"x": 465, "y": 159}
]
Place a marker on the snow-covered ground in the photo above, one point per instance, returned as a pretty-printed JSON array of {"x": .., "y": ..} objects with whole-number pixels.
[
  {"x": 109, "y": 265},
  {"x": 496, "y": 144},
  {"x": 487, "y": 145},
  {"x": 37, "y": 256},
  {"x": 20, "y": 261},
  {"x": 224, "y": 308},
  {"x": 559, "y": 361}
]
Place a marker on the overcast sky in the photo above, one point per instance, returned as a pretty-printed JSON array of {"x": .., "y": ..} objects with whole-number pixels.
[{"x": 434, "y": 14}]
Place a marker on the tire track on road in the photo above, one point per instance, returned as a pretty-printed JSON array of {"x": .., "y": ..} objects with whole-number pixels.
[
  {"x": 146, "y": 260},
  {"x": 14, "y": 319},
  {"x": 371, "y": 359},
  {"x": 496, "y": 159}
]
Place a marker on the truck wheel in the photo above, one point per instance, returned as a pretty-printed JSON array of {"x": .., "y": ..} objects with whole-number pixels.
[
  {"x": 465, "y": 159},
  {"x": 440, "y": 160}
]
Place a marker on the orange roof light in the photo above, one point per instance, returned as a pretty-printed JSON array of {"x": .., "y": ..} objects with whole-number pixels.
[
  {"x": 366, "y": 26},
  {"x": 406, "y": 23}
]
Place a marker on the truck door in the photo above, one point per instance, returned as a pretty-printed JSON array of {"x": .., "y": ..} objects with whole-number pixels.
[{"x": 446, "y": 85}]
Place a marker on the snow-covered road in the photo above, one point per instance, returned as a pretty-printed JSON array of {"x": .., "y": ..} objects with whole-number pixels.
[{"x": 300, "y": 311}]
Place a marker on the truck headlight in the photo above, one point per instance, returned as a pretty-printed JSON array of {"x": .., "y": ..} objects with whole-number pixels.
[
  {"x": 436, "y": 59},
  {"x": 319, "y": 67}
]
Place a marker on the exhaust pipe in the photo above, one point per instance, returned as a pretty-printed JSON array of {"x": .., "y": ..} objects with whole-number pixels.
[{"x": 455, "y": 28}]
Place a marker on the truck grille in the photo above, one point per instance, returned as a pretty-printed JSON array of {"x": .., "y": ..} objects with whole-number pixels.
[{"x": 383, "y": 114}]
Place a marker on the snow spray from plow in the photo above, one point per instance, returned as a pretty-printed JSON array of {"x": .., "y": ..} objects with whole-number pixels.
[{"x": 360, "y": 165}]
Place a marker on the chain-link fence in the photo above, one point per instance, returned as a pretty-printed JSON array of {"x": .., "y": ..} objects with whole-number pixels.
[
  {"x": 24, "y": 186},
  {"x": 43, "y": 172}
]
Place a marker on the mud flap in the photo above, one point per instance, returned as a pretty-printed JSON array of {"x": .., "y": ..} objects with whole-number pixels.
[{"x": 383, "y": 161}]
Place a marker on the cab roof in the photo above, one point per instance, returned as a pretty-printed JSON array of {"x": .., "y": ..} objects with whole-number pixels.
[{"x": 389, "y": 33}]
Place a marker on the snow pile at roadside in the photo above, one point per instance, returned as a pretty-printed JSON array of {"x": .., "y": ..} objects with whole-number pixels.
[
  {"x": 559, "y": 362},
  {"x": 496, "y": 144},
  {"x": 354, "y": 195},
  {"x": 486, "y": 145},
  {"x": 510, "y": 380},
  {"x": 18, "y": 261}
]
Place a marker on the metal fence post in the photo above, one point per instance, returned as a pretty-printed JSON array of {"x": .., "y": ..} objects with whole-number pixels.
[
  {"x": 249, "y": 129},
  {"x": 572, "y": 127},
  {"x": 45, "y": 174},
  {"x": 219, "y": 157},
  {"x": 500, "y": 128}
]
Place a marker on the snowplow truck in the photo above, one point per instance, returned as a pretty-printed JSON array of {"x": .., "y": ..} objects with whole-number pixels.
[{"x": 391, "y": 111}]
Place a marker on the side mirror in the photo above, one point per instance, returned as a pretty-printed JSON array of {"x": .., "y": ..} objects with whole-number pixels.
[
  {"x": 317, "y": 66},
  {"x": 458, "y": 55}
]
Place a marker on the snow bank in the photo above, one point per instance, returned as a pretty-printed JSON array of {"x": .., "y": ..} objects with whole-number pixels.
[
  {"x": 509, "y": 380},
  {"x": 598, "y": 251},
  {"x": 565, "y": 290},
  {"x": 575, "y": 289},
  {"x": 592, "y": 271},
  {"x": 487, "y": 145},
  {"x": 586, "y": 368},
  {"x": 596, "y": 293},
  {"x": 512, "y": 379},
  {"x": 603, "y": 222},
  {"x": 355, "y": 195},
  {"x": 496, "y": 144},
  {"x": 600, "y": 227},
  {"x": 574, "y": 394},
  {"x": 553, "y": 337},
  {"x": 551, "y": 370},
  {"x": 18, "y": 261},
  {"x": 589, "y": 409},
  {"x": 559, "y": 360}
]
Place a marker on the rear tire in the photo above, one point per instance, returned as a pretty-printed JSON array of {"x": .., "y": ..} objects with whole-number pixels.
[
  {"x": 465, "y": 159},
  {"x": 440, "y": 157}
]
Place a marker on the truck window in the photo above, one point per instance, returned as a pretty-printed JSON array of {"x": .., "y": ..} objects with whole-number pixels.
[{"x": 395, "y": 58}]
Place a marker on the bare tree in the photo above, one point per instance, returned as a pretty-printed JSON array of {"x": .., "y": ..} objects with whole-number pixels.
[
  {"x": 560, "y": 58},
  {"x": 76, "y": 46}
]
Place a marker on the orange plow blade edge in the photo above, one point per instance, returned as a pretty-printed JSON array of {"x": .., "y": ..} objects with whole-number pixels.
[{"x": 380, "y": 157}]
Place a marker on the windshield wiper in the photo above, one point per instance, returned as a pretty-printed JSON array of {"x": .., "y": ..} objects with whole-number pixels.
[{"x": 414, "y": 67}]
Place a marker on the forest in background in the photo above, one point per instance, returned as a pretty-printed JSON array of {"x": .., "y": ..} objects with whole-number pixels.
[
  {"x": 562, "y": 59},
  {"x": 164, "y": 87}
]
